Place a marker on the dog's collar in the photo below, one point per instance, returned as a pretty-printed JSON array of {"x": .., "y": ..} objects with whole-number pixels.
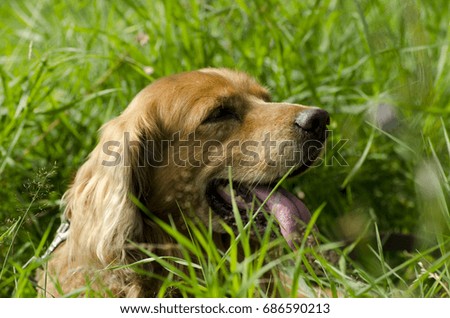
[{"x": 60, "y": 237}]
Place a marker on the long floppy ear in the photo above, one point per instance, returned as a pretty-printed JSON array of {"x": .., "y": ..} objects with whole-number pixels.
[{"x": 98, "y": 205}]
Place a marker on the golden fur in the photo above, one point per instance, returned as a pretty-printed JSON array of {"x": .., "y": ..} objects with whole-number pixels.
[{"x": 103, "y": 218}]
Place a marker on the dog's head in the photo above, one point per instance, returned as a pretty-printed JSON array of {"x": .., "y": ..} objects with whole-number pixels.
[{"x": 183, "y": 138}]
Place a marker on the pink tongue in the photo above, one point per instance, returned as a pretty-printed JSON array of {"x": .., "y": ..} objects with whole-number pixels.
[{"x": 290, "y": 212}]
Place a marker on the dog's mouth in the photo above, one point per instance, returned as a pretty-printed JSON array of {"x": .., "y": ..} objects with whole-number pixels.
[{"x": 289, "y": 211}]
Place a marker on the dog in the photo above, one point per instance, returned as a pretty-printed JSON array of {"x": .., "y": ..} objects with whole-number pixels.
[{"x": 190, "y": 145}]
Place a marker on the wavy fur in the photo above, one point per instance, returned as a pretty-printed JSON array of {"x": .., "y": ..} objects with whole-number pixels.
[{"x": 104, "y": 219}]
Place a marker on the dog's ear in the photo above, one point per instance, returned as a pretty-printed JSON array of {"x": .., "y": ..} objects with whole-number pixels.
[{"x": 98, "y": 204}]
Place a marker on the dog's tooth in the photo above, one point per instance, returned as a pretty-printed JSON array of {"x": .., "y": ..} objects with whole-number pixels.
[
  {"x": 240, "y": 199},
  {"x": 222, "y": 189},
  {"x": 226, "y": 189}
]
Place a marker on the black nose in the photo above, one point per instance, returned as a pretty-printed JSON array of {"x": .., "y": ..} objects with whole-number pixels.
[{"x": 314, "y": 121}]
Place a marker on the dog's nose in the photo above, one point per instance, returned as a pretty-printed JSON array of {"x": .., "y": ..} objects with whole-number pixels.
[{"x": 313, "y": 120}]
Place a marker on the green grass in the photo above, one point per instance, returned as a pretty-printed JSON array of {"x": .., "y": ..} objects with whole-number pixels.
[{"x": 65, "y": 69}]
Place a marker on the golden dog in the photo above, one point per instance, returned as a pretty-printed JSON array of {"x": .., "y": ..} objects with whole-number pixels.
[{"x": 173, "y": 149}]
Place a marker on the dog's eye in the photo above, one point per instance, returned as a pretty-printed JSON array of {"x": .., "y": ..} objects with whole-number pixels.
[{"x": 221, "y": 114}]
